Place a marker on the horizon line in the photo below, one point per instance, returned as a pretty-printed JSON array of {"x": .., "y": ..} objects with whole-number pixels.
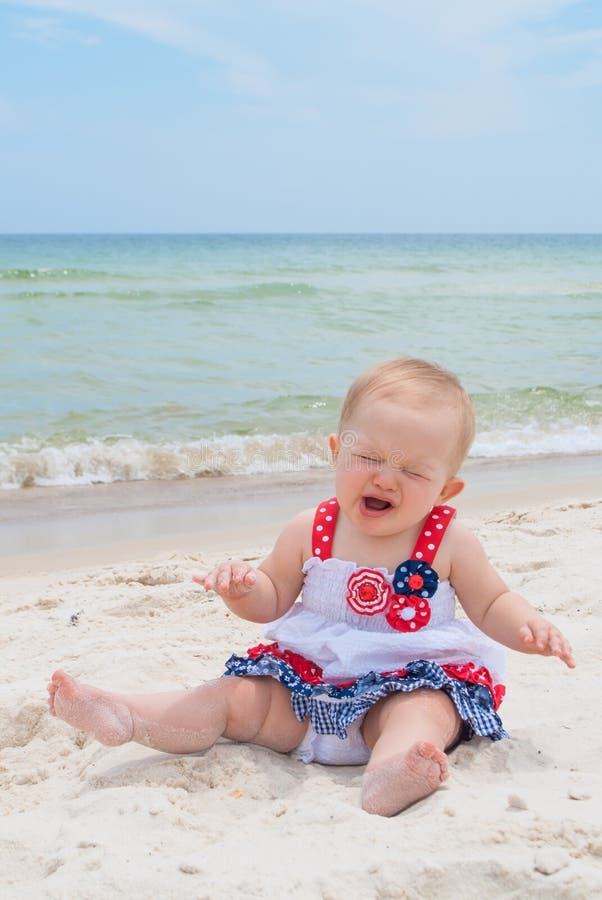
[{"x": 293, "y": 233}]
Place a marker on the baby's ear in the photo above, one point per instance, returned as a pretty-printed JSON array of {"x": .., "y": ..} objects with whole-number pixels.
[
  {"x": 451, "y": 488},
  {"x": 333, "y": 443}
]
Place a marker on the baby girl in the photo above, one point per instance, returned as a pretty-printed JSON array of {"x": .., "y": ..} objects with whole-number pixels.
[{"x": 365, "y": 662}]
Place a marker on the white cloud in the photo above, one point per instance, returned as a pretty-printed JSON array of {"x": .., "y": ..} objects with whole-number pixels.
[
  {"x": 445, "y": 20},
  {"x": 50, "y": 32},
  {"x": 447, "y": 67},
  {"x": 588, "y": 75},
  {"x": 174, "y": 24},
  {"x": 464, "y": 20},
  {"x": 582, "y": 52},
  {"x": 576, "y": 39}
]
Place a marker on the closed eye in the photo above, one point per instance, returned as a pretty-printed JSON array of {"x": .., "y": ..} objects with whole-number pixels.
[
  {"x": 370, "y": 459},
  {"x": 415, "y": 474}
]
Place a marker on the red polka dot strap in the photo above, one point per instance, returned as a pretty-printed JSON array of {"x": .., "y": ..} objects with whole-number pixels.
[
  {"x": 432, "y": 533},
  {"x": 325, "y": 521}
]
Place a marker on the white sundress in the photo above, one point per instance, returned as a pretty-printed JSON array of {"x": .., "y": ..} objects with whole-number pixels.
[{"x": 358, "y": 634}]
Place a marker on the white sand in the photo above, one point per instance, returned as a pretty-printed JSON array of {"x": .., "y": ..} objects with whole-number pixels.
[{"x": 518, "y": 818}]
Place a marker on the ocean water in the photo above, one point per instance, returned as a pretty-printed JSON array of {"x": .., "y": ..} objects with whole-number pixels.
[{"x": 163, "y": 356}]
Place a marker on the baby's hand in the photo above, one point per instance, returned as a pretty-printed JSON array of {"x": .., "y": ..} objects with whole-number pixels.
[
  {"x": 230, "y": 580},
  {"x": 540, "y": 636}
]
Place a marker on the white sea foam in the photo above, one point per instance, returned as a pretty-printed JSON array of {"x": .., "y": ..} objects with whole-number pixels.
[
  {"x": 532, "y": 440},
  {"x": 126, "y": 459}
]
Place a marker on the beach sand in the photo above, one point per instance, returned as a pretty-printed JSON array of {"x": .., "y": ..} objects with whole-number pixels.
[{"x": 98, "y": 581}]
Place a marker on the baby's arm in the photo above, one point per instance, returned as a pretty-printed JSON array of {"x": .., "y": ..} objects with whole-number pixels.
[
  {"x": 265, "y": 593},
  {"x": 499, "y": 612}
]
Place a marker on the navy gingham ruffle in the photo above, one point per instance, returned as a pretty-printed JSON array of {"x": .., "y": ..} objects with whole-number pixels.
[{"x": 474, "y": 702}]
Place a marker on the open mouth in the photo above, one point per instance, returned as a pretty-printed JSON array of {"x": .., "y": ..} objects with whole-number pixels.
[{"x": 375, "y": 506}]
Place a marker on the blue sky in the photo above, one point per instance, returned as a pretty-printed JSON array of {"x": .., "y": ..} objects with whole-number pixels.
[{"x": 301, "y": 115}]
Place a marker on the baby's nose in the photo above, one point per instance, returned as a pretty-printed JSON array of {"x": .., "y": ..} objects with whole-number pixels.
[{"x": 385, "y": 478}]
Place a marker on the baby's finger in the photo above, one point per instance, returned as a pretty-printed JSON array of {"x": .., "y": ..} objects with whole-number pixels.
[
  {"x": 536, "y": 634},
  {"x": 566, "y": 654},
  {"x": 526, "y": 634},
  {"x": 556, "y": 643},
  {"x": 244, "y": 579},
  {"x": 205, "y": 581},
  {"x": 569, "y": 659},
  {"x": 542, "y": 634},
  {"x": 224, "y": 578},
  {"x": 239, "y": 572},
  {"x": 213, "y": 579},
  {"x": 250, "y": 578}
]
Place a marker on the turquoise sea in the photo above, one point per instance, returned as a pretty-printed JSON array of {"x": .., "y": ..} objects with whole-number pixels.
[{"x": 161, "y": 356}]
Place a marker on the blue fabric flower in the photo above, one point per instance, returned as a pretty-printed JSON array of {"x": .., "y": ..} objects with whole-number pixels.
[{"x": 415, "y": 577}]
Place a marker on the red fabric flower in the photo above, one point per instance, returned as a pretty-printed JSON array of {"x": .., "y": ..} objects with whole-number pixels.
[
  {"x": 409, "y": 613},
  {"x": 368, "y": 592}
]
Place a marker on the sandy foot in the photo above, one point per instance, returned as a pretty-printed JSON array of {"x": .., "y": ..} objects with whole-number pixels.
[
  {"x": 402, "y": 780},
  {"x": 103, "y": 715}
]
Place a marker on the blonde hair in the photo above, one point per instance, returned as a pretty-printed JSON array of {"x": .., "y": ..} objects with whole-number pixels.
[{"x": 416, "y": 382}]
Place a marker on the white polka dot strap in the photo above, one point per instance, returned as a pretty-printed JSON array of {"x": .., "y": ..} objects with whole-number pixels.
[
  {"x": 432, "y": 534},
  {"x": 325, "y": 520}
]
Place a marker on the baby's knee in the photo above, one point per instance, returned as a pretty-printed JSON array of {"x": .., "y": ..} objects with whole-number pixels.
[
  {"x": 259, "y": 712},
  {"x": 280, "y": 730},
  {"x": 407, "y": 712},
  {"x": 285, "y": 740}
]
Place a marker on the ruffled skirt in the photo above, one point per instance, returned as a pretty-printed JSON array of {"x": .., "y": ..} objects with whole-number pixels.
[{"x": 332, "y": 708}]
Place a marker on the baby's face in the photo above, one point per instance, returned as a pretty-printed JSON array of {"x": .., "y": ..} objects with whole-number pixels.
[{"x": 393, "y": 464}]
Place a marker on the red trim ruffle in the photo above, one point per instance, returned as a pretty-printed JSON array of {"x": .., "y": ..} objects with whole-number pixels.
[
  {"x": 469, "y": 672},
  {"x": 307, "y": 670},
  {"x": 311, "y": 673}
]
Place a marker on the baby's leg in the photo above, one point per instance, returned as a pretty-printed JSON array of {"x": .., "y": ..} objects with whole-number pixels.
[
  {"x": 407, "y": 734},
  {"x": 254, "y": 710}
]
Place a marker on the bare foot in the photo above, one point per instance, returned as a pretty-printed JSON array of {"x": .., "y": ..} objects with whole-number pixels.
[
  {"x": 398, "y": 782},
  {"x": 103, "y": 715}
]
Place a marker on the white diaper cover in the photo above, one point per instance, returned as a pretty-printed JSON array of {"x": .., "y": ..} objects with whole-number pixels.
[{"x": 331, "y": 750}]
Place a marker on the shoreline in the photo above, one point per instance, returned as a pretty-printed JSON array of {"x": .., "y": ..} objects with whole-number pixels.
[{"x": 49, "y": 528}]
